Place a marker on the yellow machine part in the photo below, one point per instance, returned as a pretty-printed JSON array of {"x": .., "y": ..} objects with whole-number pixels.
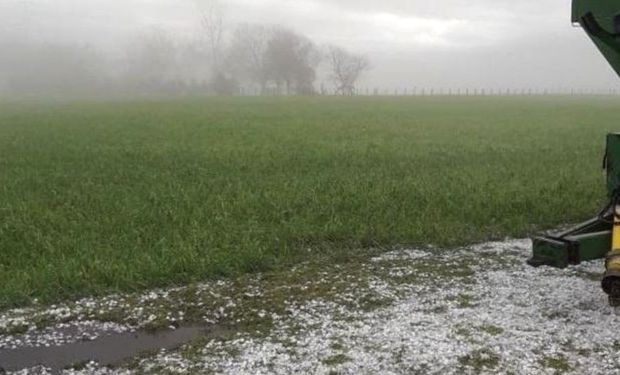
[
  {"x": 611, "y": 280},
  {"x": 615, "y": 247},
  {"x": 613, "y": 261}
]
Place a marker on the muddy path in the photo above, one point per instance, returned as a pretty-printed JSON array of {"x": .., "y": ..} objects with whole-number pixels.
[{"x": 474, "y": 310}]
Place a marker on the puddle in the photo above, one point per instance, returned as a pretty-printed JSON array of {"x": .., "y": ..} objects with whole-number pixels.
[{"x": 107, "y": 350}]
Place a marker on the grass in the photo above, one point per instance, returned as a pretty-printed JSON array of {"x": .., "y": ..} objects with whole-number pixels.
[
  {"x": 121, "y": 196},
  {"x": 480, "y": 360},
  {"x": 336, "y": 360},
  {"x": 560, "y": 364}
]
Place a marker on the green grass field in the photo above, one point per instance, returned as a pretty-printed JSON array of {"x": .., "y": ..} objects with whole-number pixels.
[{"x": 122, "y": 196}]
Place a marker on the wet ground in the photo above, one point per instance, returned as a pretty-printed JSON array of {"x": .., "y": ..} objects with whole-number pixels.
[
  {"x": 474, "y": 310},
  {"x": 107, "y": 350}
]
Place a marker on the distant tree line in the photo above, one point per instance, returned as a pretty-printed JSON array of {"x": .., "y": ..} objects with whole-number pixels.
[
  {"x": 274, "y": 59},
  {"x": 250, "y": 58}
]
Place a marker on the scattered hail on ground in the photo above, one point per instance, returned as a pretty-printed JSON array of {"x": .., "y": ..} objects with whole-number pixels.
[{"x": 474, "y": 310}]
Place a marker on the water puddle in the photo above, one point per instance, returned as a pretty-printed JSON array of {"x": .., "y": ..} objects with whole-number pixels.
[{"x": 107, "y": 350}]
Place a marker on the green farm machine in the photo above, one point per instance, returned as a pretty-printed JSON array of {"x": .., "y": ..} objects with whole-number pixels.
[{"x": 600, "y": 237}]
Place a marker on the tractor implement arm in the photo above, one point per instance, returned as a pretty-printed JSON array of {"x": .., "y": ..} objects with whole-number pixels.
[
  {"x": 599, "y": 237},
  {"x": 588, "y": 241},
  {"x": 592, "y": 239}
]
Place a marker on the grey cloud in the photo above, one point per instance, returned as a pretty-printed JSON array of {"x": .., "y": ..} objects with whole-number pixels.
[{"x": 439, "y": 43}]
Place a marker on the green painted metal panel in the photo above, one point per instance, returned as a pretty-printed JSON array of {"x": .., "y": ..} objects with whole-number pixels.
[
  {"x": 603, "y": 9},
  {"x": 561, "y": 252},
  {"x": 612, "y": 161},
  {"x": 601, "y": 20},
  {"x": 593, "y": 245},
  {"x": 549, "y": 252}
]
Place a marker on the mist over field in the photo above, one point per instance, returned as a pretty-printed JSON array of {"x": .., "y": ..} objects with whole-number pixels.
[
  {"x": 253, "y": 47},
  {"x": 308, "y": 187}
]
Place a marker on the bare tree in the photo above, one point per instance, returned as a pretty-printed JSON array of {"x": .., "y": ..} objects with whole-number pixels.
[
  {"x": 247, "y": 56},
  {"x": 212, "y": 19},
  {"x": 291, "y": 61},
  {"x": 346, "y": 69}
]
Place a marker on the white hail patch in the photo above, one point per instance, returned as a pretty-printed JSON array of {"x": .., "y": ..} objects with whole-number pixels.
[{"x": 500, "y": 317}]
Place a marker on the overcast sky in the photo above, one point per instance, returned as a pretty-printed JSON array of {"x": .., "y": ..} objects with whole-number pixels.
[{"x": 411, "y": 43}]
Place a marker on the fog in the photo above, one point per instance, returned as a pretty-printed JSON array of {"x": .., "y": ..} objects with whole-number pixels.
[{"x": 73, "y": 47}]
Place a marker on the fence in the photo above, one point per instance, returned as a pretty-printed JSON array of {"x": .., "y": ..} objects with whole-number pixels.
[
  {"x": 480, "y": 92},
  {"x": 425, "y": 91}
]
